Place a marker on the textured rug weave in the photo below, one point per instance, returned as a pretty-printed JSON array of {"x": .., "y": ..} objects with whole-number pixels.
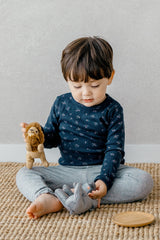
[{"x": 94, "y": 225}]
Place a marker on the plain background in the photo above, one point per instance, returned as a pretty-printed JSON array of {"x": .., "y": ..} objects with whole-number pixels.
[{"x": 33, "y": 34}]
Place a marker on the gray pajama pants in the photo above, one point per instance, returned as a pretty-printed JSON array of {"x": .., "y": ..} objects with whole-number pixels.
[{"x": 131, "y": 184}]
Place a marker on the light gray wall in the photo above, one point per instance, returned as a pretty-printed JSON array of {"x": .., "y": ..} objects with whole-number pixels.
[{"x": 32, "y": 36}]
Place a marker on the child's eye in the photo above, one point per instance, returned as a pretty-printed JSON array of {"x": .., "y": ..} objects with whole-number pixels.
[
  {"x": 95, "y": 86},
  {"x": 77, "y": 86}
]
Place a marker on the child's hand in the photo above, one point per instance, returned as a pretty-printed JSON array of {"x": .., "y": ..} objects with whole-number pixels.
[
  {"x": 23, "y": 129},
  {"x": 101, "y": 191}
]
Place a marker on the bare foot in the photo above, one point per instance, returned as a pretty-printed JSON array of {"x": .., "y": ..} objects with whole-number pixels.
[{"x": 45, "y": 203}]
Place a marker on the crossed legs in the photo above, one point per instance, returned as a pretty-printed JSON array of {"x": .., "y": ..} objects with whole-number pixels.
[{"x": 39, "y": 183}]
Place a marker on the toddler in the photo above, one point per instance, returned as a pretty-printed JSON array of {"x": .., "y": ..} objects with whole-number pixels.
[{"x": 87, "y": 126}]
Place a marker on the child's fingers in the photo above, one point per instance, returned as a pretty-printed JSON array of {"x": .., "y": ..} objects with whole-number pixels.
[
  {"x": 24, "y": 138},
  {"x": 99, "y": 193},
  {"x": 23, "y": 129},
  {"x": 94, "y": 195},
  {"x": 23, "y": 125},
  {"x": 99, "y": 202}
]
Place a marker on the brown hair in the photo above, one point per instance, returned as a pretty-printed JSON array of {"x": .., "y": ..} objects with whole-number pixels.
[{"x": 87, "y": 57}]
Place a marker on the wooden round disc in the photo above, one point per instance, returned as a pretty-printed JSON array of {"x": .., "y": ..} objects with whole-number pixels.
[{"x": 133, "y": 219}]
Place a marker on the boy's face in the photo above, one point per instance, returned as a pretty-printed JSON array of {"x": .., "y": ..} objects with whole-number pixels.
[{"x": 90, "y": 93}]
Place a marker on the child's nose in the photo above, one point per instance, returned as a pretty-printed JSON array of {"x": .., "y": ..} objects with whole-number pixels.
[{"x": 86, "y": 91}]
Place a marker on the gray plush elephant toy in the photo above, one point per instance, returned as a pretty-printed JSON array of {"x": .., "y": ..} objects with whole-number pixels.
[{"x": 79, "y": 201}]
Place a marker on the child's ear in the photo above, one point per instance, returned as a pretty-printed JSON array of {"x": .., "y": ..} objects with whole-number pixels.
[{"x": 111, "y": 77}]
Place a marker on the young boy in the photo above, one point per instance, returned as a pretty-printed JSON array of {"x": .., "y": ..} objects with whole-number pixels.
[{"x": 88, "y": 127}]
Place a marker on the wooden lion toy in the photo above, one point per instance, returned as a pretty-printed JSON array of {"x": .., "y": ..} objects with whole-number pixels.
[{"x": 34, "y": 144}]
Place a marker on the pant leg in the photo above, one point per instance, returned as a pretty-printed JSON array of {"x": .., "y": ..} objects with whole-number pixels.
[
  {"x": 131, "y": 184},
  {"x": 38, "y": 180}
]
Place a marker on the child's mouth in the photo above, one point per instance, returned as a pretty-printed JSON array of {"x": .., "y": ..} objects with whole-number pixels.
[{"x": 88, "y": 100}]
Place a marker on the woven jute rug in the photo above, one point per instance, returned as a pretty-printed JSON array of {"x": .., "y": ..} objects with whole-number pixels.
[{"x": 94, "y": 225}]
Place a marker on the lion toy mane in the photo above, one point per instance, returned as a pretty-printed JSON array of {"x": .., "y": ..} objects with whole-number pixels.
[{"x": 34, "y": 144}]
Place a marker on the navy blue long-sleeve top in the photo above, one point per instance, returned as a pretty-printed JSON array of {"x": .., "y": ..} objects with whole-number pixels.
[{"x": 87, "y": 135}]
